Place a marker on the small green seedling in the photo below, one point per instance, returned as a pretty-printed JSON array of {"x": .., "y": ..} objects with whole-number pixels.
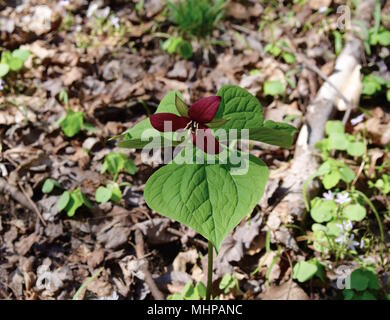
[
  {"x": 177, "y": 45},
  {"x": 306, "y": 270},
  {"x": 49, "y": 185},
  {"x": 229, "y": 283},
  {"x": 363, "y": 285},
  {"x": 110, "y": 192},
  {"x": 190, "y": 292},
  {"x": 274, "y": 88},
  {"x": 70, "y": 201},
  {"x": 382, "y": 184},
  {"x": 196, "y": 18},
  {"x": 73, "y": 123},
  {"x": 280, "y": 49},
  {"x": 115, "y": 162},
  {"x": 373, "y": 84},
  {"x": 338, "y": 140},
  {"x": 12, "y": 61}
]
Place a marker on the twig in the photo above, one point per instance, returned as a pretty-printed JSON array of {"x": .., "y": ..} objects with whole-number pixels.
[
  {"x": 315, "y": 69},
  {"x": 33, "y": 205},
  {"x": 140, "y": 252},
  {"x": 20, "y": 197},
  {"x": 85, "y": 284}
]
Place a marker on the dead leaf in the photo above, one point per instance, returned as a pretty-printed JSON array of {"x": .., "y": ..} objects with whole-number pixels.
[{"x": 287, "y": 291}]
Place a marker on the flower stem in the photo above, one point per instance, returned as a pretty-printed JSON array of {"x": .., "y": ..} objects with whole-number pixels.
[{"x": 209, "y": 271}]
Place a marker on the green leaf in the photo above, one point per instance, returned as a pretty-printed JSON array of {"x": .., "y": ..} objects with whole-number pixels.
[
  {"x": 322, "y": 210},
  {"x": 355, "y": 212},
  {"x": 304, "y": 271},
  {"x": 346, "y": 174},
  {"x": 274, "y": 88},
  {"x": 72, "y": 123},
  {"x": 348, "y": 294},
  {"x": 177, "y": 45},
  {"x": 338, "y": 141},
  {"x": 77, "y": 199},
  {"x": 275, "y": 133},
  {"x": 49, "y": 185},
  {"x": 242, "y": 108},
  {"x": 206, "y": 197},
  {"x": 359, "y": 280},
  {"x": 103, "y": 195},
  {"x": 3, "y": 69},
  {"x": 132, "y": 137},
  {"x": 201, "y": 290},
  {"x": 115, "y": 162},
  {"x": 15, "y": 64},
  {"x": 181, "y": 107},
  {"x": 331, "y": 179},
  {"x": 338, "y": 42},
  {"x": 356, "y": 149},
  {"x": 334, "y": 126},
  {"x": 116, "y": 195},
  {"x": 384, "y": 38},
  {"x": 372, "y": 84},
  {"x": 217, "y": 123},
  {"x": 288, "y": 57},
  {"x": 21, "y": 54},
  {"x": 324, "y": 169},
  {"x": 63, "y": 201}
]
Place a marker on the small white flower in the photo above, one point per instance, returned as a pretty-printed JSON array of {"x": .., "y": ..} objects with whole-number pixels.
[
  {"x": 92, "y": 8},
  {"x": 362, "y": 244},
  {"x": 1, "y": 84},
  {"x": 358, "y": 119},
  {"x": 348, "y": 225},
  {"x": 115, "y": 22},
  {"x": 104, "y": 13},
  {"x": 64, "y": 3},
  {"x": 341, "y": 239},
  {"x": 342, "y": 198},
  {"x": 323, "y": 9},
  {"x": 351, "y": 243},
  {"x": 328, "y": 195}
]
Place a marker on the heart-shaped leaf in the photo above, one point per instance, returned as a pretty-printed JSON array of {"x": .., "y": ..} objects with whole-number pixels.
[
  {"x": 242, "y": 109},
  {"x": 304, "y": 271},
  {"x": 355, "y": 212},
  {"x": 206, "y": 197}
]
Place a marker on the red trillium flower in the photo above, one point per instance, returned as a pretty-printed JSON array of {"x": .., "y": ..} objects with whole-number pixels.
[{"x": 200, "y": 114}]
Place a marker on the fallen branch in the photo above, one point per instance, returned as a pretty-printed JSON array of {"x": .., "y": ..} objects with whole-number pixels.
[
  {"x": 140, "y": 252},
  {"x": 20, "y": 197}
]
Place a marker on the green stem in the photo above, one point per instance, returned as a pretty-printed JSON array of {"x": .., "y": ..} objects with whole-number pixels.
[{"x": 209, "y": 271}]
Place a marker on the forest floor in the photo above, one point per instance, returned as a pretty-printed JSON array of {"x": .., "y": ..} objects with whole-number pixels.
[{"x": 105, "y": 59}]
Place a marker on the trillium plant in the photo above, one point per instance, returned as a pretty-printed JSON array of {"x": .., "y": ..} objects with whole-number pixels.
[{"x": 207, "y": 193}]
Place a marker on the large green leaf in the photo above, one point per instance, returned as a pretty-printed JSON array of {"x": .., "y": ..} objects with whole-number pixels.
[
  {"x": 242, "y": 108},
  {"x": 276, "y": 133},
  {"x": 206, "y": 197}
]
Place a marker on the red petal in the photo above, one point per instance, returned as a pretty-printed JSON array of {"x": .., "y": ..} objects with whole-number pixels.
[
  {"x": 171, "y": 121},
  {"x": 204, "y": 110},
  {"x": 204, "y": 140}
]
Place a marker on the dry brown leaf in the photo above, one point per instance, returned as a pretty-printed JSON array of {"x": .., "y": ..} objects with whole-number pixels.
[{"x": 287, "y": 291}]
